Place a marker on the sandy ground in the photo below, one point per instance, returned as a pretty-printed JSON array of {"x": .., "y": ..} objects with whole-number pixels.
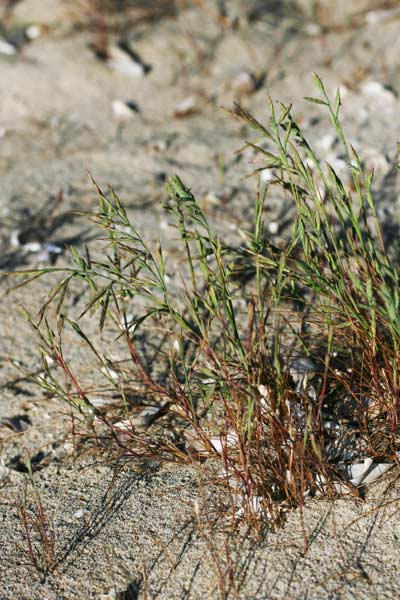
[{"x": 135, "y": 535}]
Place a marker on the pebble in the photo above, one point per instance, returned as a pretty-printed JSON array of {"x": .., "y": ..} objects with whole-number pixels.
[
  {"x": 159, "y": 145},
  {"x": 124, "y": 109},
  {"x": 312, "y": 29},
  {"x": 266, "y": 176},
  {"x": 110, "y": 373},
  {"x": 187, "y": 107},
  {"x": 273, "y": 227},
  {"x": 33, "y": 32},
  {"x": 377, "y": 91},
  {"x": 366, "y": 472},
  {"x": 48, "y": 360},
  {"x": 219, "y": 444},
  {"x": 244, "y": 83},
  {"x": 80, "y": 513},
  {"x": 7, "y": 48},
  {"x": 121, "y": 60}
]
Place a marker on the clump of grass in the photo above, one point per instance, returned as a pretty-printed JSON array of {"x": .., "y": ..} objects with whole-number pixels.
[
  {"x": 39, "y": 532},
  {"x": 243, "y": 322}
]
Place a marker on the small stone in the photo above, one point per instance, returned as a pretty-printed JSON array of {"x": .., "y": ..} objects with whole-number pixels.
[
  {"x": 273, "y": 227},
  {"x": 7, "y": 48},
  {"x": 110, "y": 373},
  {"x": 123, "y": 110},
  {"x": 244, "y": 83},
  {"x": 377, "y": 471},
  {"x": 159, "y": 145},
  {"x": 377, "y": 91},
  {"x": 14, "y": 239},
  {"x": 48, "y": 360},
  {"x": 266, "y": 176},
  {"x": 219, "y": 444},
  {"x": 357, "y": 471},
  {"x": 366, "y": 472},
  {"x": 122, "y": 59},
  {"x": 312, "y": 29},
  {"x": 264, "y": 391},
  {"x": 80, "y": 513},
  {"x": 33, "y": 32},
  {"x": 187, "y": 107},
  {"x": 33, "y": 247}
]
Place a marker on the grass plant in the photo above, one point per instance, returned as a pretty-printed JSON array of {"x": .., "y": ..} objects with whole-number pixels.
[
  {"x": 39, "y": 532},
  {"x": 231, "y": 338}
]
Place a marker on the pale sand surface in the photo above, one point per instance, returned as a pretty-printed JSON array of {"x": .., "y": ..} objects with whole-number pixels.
[{"x": 136, "y": 531}]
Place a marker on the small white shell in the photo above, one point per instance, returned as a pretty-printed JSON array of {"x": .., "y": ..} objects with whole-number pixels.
[
  {"x": 357, "y": 471},
  {"x": 7, "y": 48},
  {"x": 121, "y": 110},
  {"x": 121, "y": 61},
  {"x": 219, "y": 444},
  {"x": 33, "y": 247},
  {"x": 266, "y": 175},
  {"x": 312, "y": 29},
  {"x": 377, "y": 91},
  {"x": 366, "y": 472},
  {"x": 33, "y": 32},
  {"x": 110, "y": 373},
  {"x": 188, "y": 106},
  {"x": 244, "y": 83},
  {"x": 81, "y": 512},
  {"x": 377, "y": 471}
]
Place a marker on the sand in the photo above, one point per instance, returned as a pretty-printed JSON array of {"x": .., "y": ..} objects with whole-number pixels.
[{"x": 135, "y": 533}]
